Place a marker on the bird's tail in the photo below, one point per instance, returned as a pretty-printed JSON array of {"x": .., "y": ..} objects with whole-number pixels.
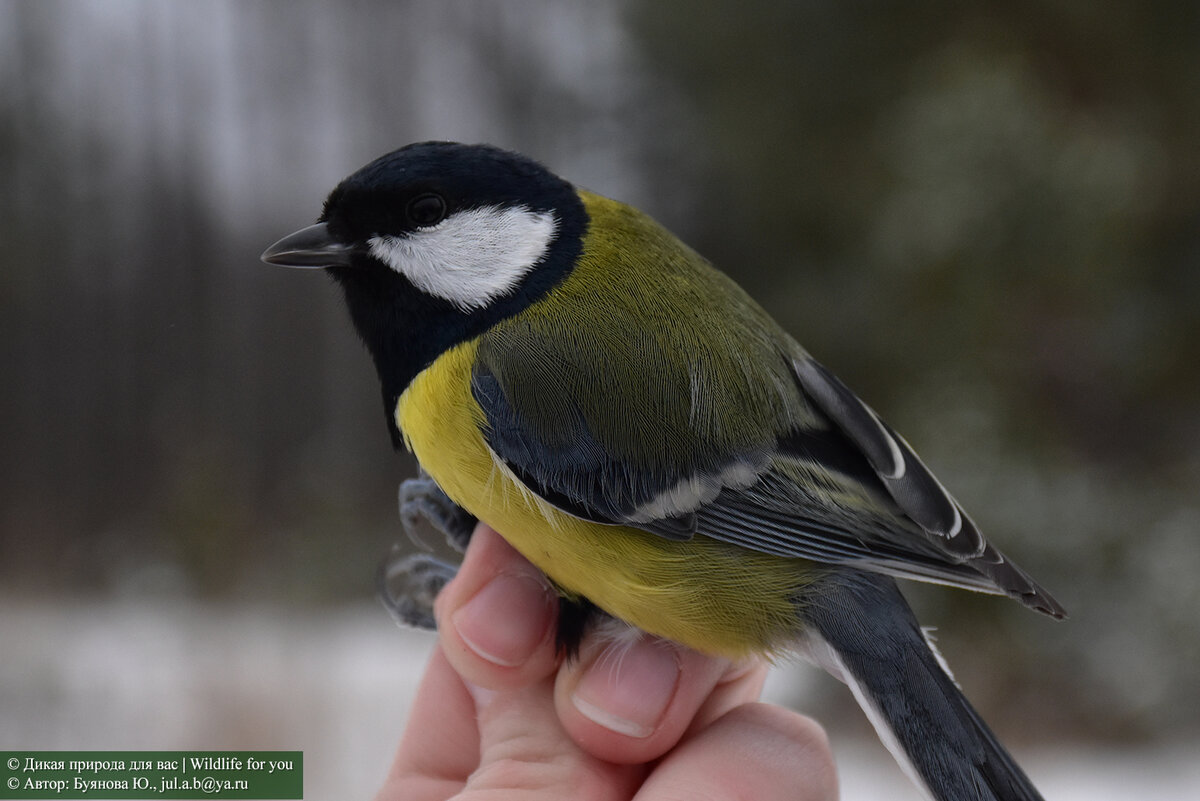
[{"x": 864, "y": 633}]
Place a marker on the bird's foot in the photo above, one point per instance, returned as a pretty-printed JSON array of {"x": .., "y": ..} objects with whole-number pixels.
[
  {"x": 424, "y": 507},
  {"x": 408, "y": 584}
]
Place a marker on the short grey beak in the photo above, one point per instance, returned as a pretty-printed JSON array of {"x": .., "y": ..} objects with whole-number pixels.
[{"x": 310, "y": 248}]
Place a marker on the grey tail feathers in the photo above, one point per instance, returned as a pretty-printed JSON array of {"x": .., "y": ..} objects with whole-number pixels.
[{"x": 863, "y": 632}]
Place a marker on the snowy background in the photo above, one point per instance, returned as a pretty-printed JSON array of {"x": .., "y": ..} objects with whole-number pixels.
[{"x": 337, "y": 684}]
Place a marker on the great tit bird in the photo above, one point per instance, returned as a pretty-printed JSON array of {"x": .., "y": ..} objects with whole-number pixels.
[{"x": 569, "y": 372}]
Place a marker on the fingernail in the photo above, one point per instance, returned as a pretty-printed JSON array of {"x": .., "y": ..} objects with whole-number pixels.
[
  {"x": 506, "y": 620},
  {"x": 629, "y": 691}
]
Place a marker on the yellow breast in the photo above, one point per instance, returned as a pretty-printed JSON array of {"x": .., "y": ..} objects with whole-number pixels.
[{"x": 703, "y": 593}]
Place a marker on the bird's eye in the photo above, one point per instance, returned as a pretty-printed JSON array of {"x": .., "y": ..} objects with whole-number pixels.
[{"x": 426, "y": 210}]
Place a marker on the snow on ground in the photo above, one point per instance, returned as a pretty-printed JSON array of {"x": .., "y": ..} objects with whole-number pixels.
[{"x": 336, "y": 685}]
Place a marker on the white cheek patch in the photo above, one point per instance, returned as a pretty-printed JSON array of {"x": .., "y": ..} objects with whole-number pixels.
[{"x": 472, "y": 256}]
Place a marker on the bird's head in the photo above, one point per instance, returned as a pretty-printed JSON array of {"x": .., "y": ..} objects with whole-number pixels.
[{"x": 435, "y": 242}]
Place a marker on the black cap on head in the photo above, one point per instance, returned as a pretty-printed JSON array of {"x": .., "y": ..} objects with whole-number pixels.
[{"x": 378, "y": 198}]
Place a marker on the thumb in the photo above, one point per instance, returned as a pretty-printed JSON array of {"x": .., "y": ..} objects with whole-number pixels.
[{"x": 525, "y": 755}]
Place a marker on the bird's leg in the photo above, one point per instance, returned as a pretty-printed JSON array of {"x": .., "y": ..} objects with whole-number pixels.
[{"x": 408, "y": 583}]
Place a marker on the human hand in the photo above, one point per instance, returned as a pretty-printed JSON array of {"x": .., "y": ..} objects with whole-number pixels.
[{"x": 500, "y": 716}]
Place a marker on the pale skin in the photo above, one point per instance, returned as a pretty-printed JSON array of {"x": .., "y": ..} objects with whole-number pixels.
[{"x": 499, "y": 716}]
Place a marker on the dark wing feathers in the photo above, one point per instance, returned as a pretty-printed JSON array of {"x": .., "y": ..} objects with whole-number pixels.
[
  {"x": 783, "y": 514},
  {"x": 751, "y": 523},
  {"x": 920, "y": 496},
  {"x": 905, "y": 476},
  {"x": 578, "y": 476},
  {"x": 840, "y": 488}
]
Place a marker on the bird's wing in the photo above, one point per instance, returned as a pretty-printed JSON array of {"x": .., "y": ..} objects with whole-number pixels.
[
  {"x": 619, "y": 422},
  {"x": 763, "y": 448}
]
